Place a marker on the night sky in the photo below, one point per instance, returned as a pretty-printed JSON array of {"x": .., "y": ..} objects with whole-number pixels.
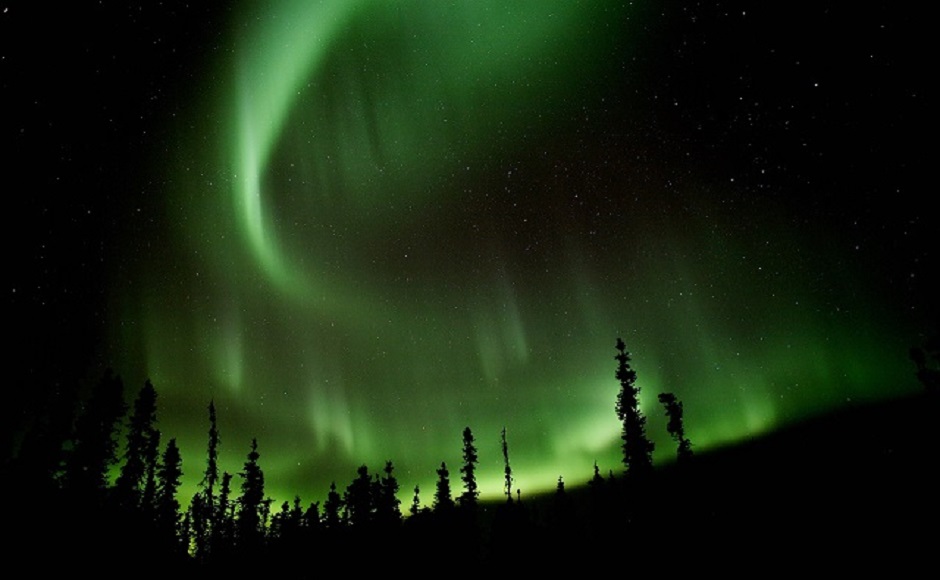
[{"x": 360, "y": 227}]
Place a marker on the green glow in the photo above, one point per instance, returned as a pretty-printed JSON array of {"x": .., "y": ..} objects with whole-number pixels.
[{"x": 375, "y": 249}]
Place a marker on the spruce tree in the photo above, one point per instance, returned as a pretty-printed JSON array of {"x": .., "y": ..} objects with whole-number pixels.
[
  {"x": 204, "y": 533},
  {"x": 637, "y": 448},
  {"x": 443, "y": 502},
  {"x": 468, "y": 499},
  {"x": 675, "y": 427},
  {"x": 415, "y": 508},
  {"x": 251, "y": 503},
  {"x": 287, "y": 523},
  {"x": 507, "y": 470},
  {"x": 198, "y": 527},
  {"x": 332, "y": 509},
  {"x": 222, "y": 534},
  {"x": 311, "y": 520},
  {"x": 94, "y": 447},
  {"x": 211, "y": 476},
  {"x": 135, "y": 485},
  {"x": 388, "y": 506},
  {"x": 358, "y": 499},
  {"x": 169, "y": 478},
  {"x": 597, "y": 480}
]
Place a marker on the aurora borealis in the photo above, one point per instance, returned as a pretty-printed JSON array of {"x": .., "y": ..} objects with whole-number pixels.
[{"x": 360, "y": 227}]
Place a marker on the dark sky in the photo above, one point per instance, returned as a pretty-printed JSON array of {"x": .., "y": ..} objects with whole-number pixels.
[{"x": 361, "y": 227}]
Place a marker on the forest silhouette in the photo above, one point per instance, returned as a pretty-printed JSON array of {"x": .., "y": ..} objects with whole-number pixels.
[{"x": 851, "y": 489}]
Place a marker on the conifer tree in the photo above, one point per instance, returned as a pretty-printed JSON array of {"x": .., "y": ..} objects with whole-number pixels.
[
  {"x": 507, "y": 470},
  {"x": 149, "y": 497},
  {"x": 415, "y": 508},
  {"x": 140, "y": 457},
  {"x": 288, "y": 522},
  {"x": 222, "y": 534},
  {"x": 204, "y": 534},
  {"x": 637, "y": 448},
  {"x": 198, "y": 527},
  {"x": 562, "y": 516},
  {"x": 332, "y": 509},
  {"x": 94, "y": 447},
  {"x": 388, "y": 506},
  {"x": 597, "y": 480},
  {"x": 211, "y": 476},
  {"x": 468, "y": 499},
  {"x": 358, "y": 499},
  {"x": 675, "y": 426},
  {"x": 169, "y": 477},
  {"x": 443, "y": 502},
  {"x": 251, "y": 503},
  {"x": 311, "y": 520}
]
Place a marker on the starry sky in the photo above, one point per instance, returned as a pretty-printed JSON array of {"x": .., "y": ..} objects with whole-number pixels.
[{"x": 362, "y": 226}]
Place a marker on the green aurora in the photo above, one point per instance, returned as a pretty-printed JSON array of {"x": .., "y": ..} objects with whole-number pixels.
[{"x": 387, "y": 221}]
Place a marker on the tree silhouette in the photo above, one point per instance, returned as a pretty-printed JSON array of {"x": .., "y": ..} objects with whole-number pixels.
[
  {"x": 358, "y": 500},
  {"x": 205, "y": 509},
  {"x": 597, "y": 480},
  {"x": 468, "y": 499},
  {"x": 443, "y": 502},
  {"x": 507, "y": 470},
  {"x": 415, "y": 508},
  {"x": 167, "y": 507},
  {"x": 94, "y": 447},
  {"x": 332, "y": 509},
  {"x": 211, "y": 476},
  {"x": 637, "y": 448},
  {"x": 198, "y": 527},
  {"x": 311, "y": 519},
  {"x": 286, "y": 525},
  {"x": 251, "y": 503},
  {"x": 222, "y": 534},
  {"x": 135, "y": 485},
  {"x": 675, "y": 427},
  {"x": 387, "y": 504}
]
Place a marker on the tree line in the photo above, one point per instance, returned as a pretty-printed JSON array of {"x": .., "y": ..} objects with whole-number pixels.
[{"x": 231, "y": 522}]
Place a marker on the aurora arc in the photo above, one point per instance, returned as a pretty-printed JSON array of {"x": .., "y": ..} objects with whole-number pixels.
[{"x": 395, "y": 220}]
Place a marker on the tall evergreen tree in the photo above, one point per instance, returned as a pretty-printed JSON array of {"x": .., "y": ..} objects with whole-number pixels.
[
  {"x": 222, "y": 534},
  {"x": 637, "y": 448},
  {"x": 251, "y": 503},
  {"x": 140, "y": 457},
  {"x": 204, "y": 521},
  {"x": 358, "y": 499},
  {"x": 468, "y": 499},
  {"x": 197, "y": 527},
  {"x": 94, "y": 445},
  {"x": 675, "y": 426},
  {"x": 332, "y": 509},
  {"x": 169, "y": 478},
  {"x": 311, "y": 521},
  {"x": 388, "y": 506},
  {"x": 443, "y": 502},
  {"x": 507, "y": 470},
  {"x": 149, "y": 497},
  {"x": 597, "y": 480},
  {"x": 415, "y": 508},
  {"x": 211, "y": 476}
]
